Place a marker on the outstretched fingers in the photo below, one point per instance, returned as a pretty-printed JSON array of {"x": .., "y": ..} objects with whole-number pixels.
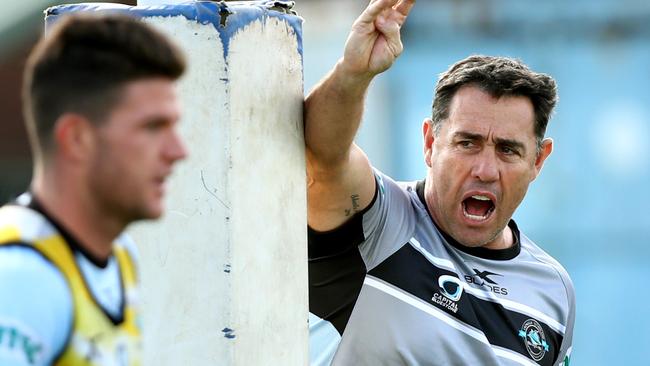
[
  {"x": 375, "y": 8},
  {"x": 404, "y": 7},
  {"x": 374, "y": 42},
  {"x": 401, "y": 10}
]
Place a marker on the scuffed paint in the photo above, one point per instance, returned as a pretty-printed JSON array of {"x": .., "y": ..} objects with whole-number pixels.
[{"x": 227, "y": 17}]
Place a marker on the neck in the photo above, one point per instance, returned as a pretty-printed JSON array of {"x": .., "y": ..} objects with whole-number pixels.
[
  {"x": 74, "y": 207},
  {"x": 503, "y": 240}
]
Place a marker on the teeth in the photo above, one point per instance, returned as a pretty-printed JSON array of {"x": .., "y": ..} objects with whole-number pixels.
[
  {"x": 478, "y": 217},
  {"x": 475, "y": 217},
  {"x": 480, "y": 198}
]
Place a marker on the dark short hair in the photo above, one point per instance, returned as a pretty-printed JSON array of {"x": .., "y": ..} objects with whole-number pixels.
[
  {"x": 498, "y": 76},
  {"x": 82, "y": 64}
]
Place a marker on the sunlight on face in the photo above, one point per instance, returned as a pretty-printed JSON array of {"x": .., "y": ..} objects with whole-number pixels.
[
  {"x": 137, "y": 147},
  {"x": 480, "y": 165}
]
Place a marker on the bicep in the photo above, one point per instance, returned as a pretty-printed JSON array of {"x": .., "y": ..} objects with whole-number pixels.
[
  {"x": 35, "y": 308},
  {"x": 335, "y": 192}
]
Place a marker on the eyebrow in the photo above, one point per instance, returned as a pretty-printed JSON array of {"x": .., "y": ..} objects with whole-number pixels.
[{"x": 500, "y": 141}]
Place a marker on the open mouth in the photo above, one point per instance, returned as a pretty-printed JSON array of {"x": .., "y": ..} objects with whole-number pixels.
[{"x": 478, "y": 207}]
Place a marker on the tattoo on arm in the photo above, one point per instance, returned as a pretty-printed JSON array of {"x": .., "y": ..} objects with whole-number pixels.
[{"x": 355, "y": 205}]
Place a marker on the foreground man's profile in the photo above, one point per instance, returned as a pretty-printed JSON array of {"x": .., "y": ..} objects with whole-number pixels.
[{"x": 101, "y": 112}]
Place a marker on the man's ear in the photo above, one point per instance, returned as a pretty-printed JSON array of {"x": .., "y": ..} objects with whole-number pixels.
[
  {"x": 428, "y": 136},
  {"x": 544, "y": 152},
  {"x": 73, "y": 136}
]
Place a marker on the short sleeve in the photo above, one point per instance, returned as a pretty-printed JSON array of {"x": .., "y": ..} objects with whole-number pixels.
[
  {"x": 564, "y": 358},
  {"x": 389, "y": 223},
  {"x": 35, "y": 308}
]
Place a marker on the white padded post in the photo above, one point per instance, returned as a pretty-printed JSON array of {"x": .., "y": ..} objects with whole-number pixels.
[{"x": 225, "y": 270}]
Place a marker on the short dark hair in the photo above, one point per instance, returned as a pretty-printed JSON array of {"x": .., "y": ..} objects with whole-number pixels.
[
  {"x": 82, "y": 64},
  {"x": 498, "y": 76}
]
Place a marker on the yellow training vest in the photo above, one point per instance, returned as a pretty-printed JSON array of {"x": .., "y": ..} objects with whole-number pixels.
[{"x": 95, "y": 339}]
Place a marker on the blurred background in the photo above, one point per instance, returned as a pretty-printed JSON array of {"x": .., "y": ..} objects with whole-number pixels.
[{"x": 589, "y": 208}]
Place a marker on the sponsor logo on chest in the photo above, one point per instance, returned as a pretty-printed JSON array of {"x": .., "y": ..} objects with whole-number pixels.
[
  {"x": 485, "y": 280},
  {"x": 451, "y": 289}
]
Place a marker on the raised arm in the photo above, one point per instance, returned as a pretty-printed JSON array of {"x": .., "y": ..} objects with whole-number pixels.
[{"x": 340, "y": 178}]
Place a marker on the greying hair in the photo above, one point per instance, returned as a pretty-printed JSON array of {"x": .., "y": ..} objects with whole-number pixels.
[{"x": 498, "y": 76}]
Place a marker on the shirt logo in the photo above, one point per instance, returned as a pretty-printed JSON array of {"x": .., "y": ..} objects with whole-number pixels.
[
  {"x": 451, "y": 289},
  {"x": 533, "y": 336},
  {"x": 18, "y": 344},
  {"x": 485, "y": 276},
  {"x": 483, "y": 279}
]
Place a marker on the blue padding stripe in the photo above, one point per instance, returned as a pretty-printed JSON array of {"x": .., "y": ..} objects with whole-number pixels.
[{"x": 240, "y": 14}]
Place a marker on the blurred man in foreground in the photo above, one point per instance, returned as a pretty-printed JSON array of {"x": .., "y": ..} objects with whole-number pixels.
[
  {"x": 433, "y": 272},
  {"x": 101, "y": 112}
]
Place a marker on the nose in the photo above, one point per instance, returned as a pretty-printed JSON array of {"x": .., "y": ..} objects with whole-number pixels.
[
  {"x": 486, "y": 168},
  {"x": 175, "y": 149}
]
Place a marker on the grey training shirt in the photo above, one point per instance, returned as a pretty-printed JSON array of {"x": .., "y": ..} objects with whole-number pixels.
[{"x": 389, "y": 288}]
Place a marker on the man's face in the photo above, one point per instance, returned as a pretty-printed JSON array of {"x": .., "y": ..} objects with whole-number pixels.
[
  {"x": 480, "y": 165},
  {"x": 136, "y": 148}
]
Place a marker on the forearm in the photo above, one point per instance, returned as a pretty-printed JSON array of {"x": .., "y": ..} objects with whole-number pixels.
[
  {"x": 340, "y": 179},
  {"x": 333, "y": 112}
]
